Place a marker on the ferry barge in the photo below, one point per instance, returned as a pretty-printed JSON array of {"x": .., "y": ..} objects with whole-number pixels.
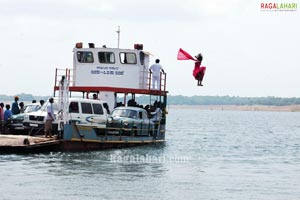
[{"x": 116, "y": 76}]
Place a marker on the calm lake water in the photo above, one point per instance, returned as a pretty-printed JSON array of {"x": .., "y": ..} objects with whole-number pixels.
[{"x": 208, "y": 155}]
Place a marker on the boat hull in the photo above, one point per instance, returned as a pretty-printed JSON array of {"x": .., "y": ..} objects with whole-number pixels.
[{"x": 94, "y": 145}]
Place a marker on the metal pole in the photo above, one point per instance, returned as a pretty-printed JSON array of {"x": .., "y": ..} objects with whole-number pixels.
[{"x": 118, "y": 31}]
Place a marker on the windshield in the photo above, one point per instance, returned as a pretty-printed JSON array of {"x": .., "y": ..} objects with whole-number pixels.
[
  {"x": 124, "y": 113},
  {"x": 31, "y": 108}
]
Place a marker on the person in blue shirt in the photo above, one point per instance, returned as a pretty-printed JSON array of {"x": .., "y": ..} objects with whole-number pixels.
[
  {"x": 15, "y": 106},
  {"x": 7, "y": 116},
  {"x": 7, "y": 113}
]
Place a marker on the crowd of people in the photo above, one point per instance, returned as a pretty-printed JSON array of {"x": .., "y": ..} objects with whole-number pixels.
[
  {"x": 15, "y": 109},
  {"x": 154, "y": 111}
]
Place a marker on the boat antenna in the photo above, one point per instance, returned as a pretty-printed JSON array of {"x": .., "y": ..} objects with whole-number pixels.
[{"x": 118, "y": 31}]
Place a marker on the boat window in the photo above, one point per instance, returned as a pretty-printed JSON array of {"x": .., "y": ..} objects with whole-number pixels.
[
  {"x": 128, "y": 58},
  {"x": 85, "y": 57},
  {"x": 133, "y": 114},
  {"x": 106, "y": 57},
  {"x": 86, "y": 108},
  {"x": 124, "y": 113},
  {"x": 97, "y": 109},
  {"x": 142, "y": 57},
  {"x": 74, "y": 108},
  {"x": 31, "y": 108}
]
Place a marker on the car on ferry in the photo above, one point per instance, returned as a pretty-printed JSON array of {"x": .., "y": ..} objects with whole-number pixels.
[
  {"x": 17, "y": 120},
  {"x": 132, "y": 121},
  {"x": 81, "y": 111}
]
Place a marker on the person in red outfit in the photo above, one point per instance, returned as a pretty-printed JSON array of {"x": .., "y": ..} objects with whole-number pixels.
[{"x": 199, "y": 70}]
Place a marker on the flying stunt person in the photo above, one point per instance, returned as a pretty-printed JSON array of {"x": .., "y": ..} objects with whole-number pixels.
[{"x": 199, "y": 71}]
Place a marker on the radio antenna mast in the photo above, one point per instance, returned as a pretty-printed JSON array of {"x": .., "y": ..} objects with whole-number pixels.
[{"x": 118, "y": 31}]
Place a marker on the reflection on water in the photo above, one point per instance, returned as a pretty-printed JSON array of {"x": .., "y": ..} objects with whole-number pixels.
[{"x": 208, "y": 155}]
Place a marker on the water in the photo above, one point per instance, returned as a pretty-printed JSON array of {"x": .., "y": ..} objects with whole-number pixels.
[{"x": 208, "y": 155}]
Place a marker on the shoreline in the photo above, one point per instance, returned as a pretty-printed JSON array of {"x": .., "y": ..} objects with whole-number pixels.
[{"x": 291, "y": 108}]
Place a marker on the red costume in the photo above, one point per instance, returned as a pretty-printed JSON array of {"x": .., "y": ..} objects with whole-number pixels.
[{"x": 198, "y": 71}]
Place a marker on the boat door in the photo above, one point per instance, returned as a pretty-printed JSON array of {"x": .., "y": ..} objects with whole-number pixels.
[{"x": 144, "y": 58}]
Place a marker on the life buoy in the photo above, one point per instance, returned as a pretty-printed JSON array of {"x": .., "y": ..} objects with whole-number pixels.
[{"x": 26, "y": 141}]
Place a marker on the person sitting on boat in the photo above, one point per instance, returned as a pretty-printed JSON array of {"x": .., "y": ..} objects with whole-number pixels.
[
  {"x": 199, "y": 70},
  {"x": 131, "y": 102},
  {"x": 155, "y": 69},
  {"x": 95, "y": 97}
]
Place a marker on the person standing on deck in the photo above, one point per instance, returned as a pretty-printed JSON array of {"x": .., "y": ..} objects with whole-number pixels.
[
  {"x": 15, "y": 106},
  {"x": 42, "y": 102},
  {"x": 155, "y": 69},
  {"x": 49, "y": 118},
  {"x": 22, "y": 108},
  {"x": 1, "y": 117},
  {"x": 156, "y": 113},
  {"x": 7, "y": 116}
]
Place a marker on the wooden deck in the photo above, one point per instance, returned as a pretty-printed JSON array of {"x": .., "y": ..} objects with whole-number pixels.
[{"x": 24, "y": 144}]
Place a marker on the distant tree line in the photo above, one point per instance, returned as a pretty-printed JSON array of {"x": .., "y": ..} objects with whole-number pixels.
[
  {"x": 23, "y": 97},
  {"x": 192, "y": 100},
  {"x": 226, "y": 100}
]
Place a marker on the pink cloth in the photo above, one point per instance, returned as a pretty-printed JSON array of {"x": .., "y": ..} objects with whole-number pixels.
[
  {"x": 183, "y": 55},
  {"x": 199, "y": 71}
]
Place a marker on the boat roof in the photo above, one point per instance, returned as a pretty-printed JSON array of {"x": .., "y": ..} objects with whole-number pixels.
[{"x": 82, "y": 100}]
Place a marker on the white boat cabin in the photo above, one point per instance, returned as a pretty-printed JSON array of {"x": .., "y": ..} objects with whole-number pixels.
[
  {"x": 107, "y": 72},
  {"x": 110, "y": 67}
]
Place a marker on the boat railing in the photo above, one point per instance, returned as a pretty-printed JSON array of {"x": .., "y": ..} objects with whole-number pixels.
[
  {"x": 162, "y": 81},
  {"x": 145, "y": 79},
  {"x": 123, "y": 130},
  {"x": 66, "y": 72}
]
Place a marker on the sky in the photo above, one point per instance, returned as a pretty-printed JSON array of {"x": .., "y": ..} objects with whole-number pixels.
[{"x": 248, "y": 52}]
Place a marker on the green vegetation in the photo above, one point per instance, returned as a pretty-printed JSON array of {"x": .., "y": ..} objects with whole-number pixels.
[
  {"x": 22, "y": 97},
  {"x": 193, "y": 100},
  {"x": 226, "y": 100}
]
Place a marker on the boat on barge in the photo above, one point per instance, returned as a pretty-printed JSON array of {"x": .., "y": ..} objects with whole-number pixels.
[{"x": 119, "y": 77}]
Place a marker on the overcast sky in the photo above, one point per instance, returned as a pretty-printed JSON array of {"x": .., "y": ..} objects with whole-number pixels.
[{"x": 247, "y": 52}]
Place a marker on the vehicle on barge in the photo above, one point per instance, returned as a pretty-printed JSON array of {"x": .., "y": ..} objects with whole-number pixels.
[
  {"x": 83, "y": 111},
  {"x": 113, "y": 75}
]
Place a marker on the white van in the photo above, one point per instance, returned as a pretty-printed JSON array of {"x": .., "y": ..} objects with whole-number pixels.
[{"x": 81, "y": 111}]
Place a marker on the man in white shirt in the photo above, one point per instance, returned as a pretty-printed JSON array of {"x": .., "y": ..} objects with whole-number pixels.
[
  {"x": 155, "y": 69},
  {"x": 156, "y": 115},
  {"x": 49, "y": 118}
]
